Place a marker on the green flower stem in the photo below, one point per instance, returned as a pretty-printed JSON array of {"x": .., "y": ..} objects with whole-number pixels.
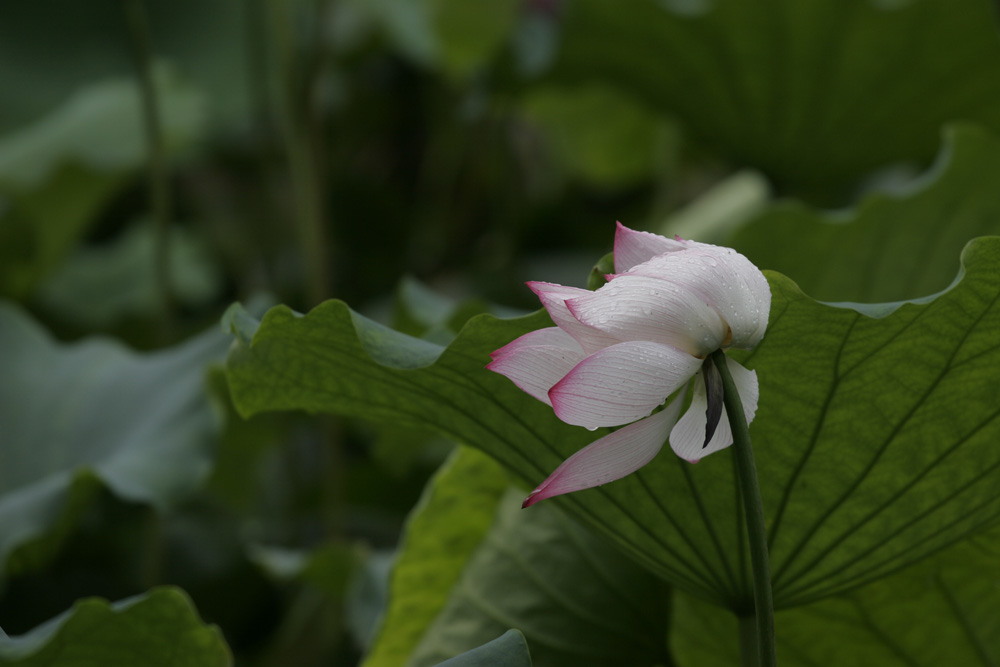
[
  {"x": 763, "y": 600},
  {"x": 158, "y": 177}
]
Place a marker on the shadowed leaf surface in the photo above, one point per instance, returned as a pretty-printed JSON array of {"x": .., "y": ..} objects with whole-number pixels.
[{"x": 943, "y": 611}]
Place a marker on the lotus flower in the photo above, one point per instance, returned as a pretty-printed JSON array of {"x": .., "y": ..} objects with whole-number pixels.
[{"x": 617, "y": 354}]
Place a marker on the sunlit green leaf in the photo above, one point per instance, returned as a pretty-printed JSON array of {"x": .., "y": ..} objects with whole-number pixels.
[
  {"x": 159, "y": 628},
  {"x": 577, "y": 600},
  {"x": 892, "y": 246},
  {"x": 816, "y": 93},
  {"x": 474, "y": 564},
  {"x": 92, "y": 411},
  {"x": 451, "y": 519}
]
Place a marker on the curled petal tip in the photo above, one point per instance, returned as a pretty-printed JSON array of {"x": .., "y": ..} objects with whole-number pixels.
[{"x": 530, "y": 500}]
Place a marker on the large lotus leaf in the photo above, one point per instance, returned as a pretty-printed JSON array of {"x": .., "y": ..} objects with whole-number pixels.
[
  {"x": 473, "y": 564},
  {"x": 157, "y": 629},
  {"x": 815, "y": 93},
  {"x": 892, "y": 246},
  {"x": 139, "y": 423},
  {"x": 874, "y": 435},
  {"x": 943, "y": 611}
]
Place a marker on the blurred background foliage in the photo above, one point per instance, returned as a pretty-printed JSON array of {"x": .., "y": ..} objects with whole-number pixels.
[{"x": 418, "y": 159}]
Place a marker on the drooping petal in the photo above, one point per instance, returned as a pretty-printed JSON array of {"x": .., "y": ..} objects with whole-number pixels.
[
  {"x": 612, "y": 457},
  {"x": 632, "y": 247},
  {"x": 638, "y": 307},
  {"x": 687, "y": 439},
  {"x": 537, "y": 360},
  {"x": 621, "y": 383},
  {"x": 725, "y": 280},
  {"x": 547, "y": 336},
  {"x": 553, "y": 298}
]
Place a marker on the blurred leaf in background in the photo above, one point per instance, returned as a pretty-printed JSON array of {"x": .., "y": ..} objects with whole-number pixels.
[
  {"x": 816, "y": 95},
  {"x": 95, "y": 412},
  {"x": 893, "y": 245},
  {"x": 59, "y": 174}
]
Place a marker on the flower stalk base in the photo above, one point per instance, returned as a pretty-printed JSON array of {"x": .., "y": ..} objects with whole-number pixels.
[{"x": 750, "y": 489}]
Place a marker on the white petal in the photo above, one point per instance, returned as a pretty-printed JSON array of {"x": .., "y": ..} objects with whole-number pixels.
[
  {"x": 725, "y": 280},
  {"x": 632, "y": 247},
  {"x": 537, "y": 360},
  {"x": 636, "y": 307},
  {"x": 621, "y": 383},
  {"x": 553, "y": 298},
  {"x": 612, "y": 457},
  {"x": 688, "y": 437}
]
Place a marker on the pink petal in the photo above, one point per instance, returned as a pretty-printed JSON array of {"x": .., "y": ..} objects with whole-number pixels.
[
  {"x": 722, "y": 278},
  {"x": 537, "y": 360},
  {"x": 638, "y": 307},
  {"x": 553, "y": 298},
  {"x": 621, "y": 383},
  {"x": 612, "y": 457},
  {"x": 547, "y": 336},
  {"x": 688, "y": 436},
  {"x": 632, "y": 247}
]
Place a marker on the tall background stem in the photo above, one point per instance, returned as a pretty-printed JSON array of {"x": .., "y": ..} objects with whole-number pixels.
[
  {"x": 293, "y": 105},
  {"x": 157, "y": 173}
]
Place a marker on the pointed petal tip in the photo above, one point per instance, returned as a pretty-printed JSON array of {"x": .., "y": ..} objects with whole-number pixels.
[{"x": 530, "y": 500}]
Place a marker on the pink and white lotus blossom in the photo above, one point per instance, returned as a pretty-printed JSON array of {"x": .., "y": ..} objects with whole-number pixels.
[{"x": 617, "y": 354}]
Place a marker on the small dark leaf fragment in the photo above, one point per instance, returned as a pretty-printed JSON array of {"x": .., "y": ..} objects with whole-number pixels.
[{"x": 714, "y": 394}]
